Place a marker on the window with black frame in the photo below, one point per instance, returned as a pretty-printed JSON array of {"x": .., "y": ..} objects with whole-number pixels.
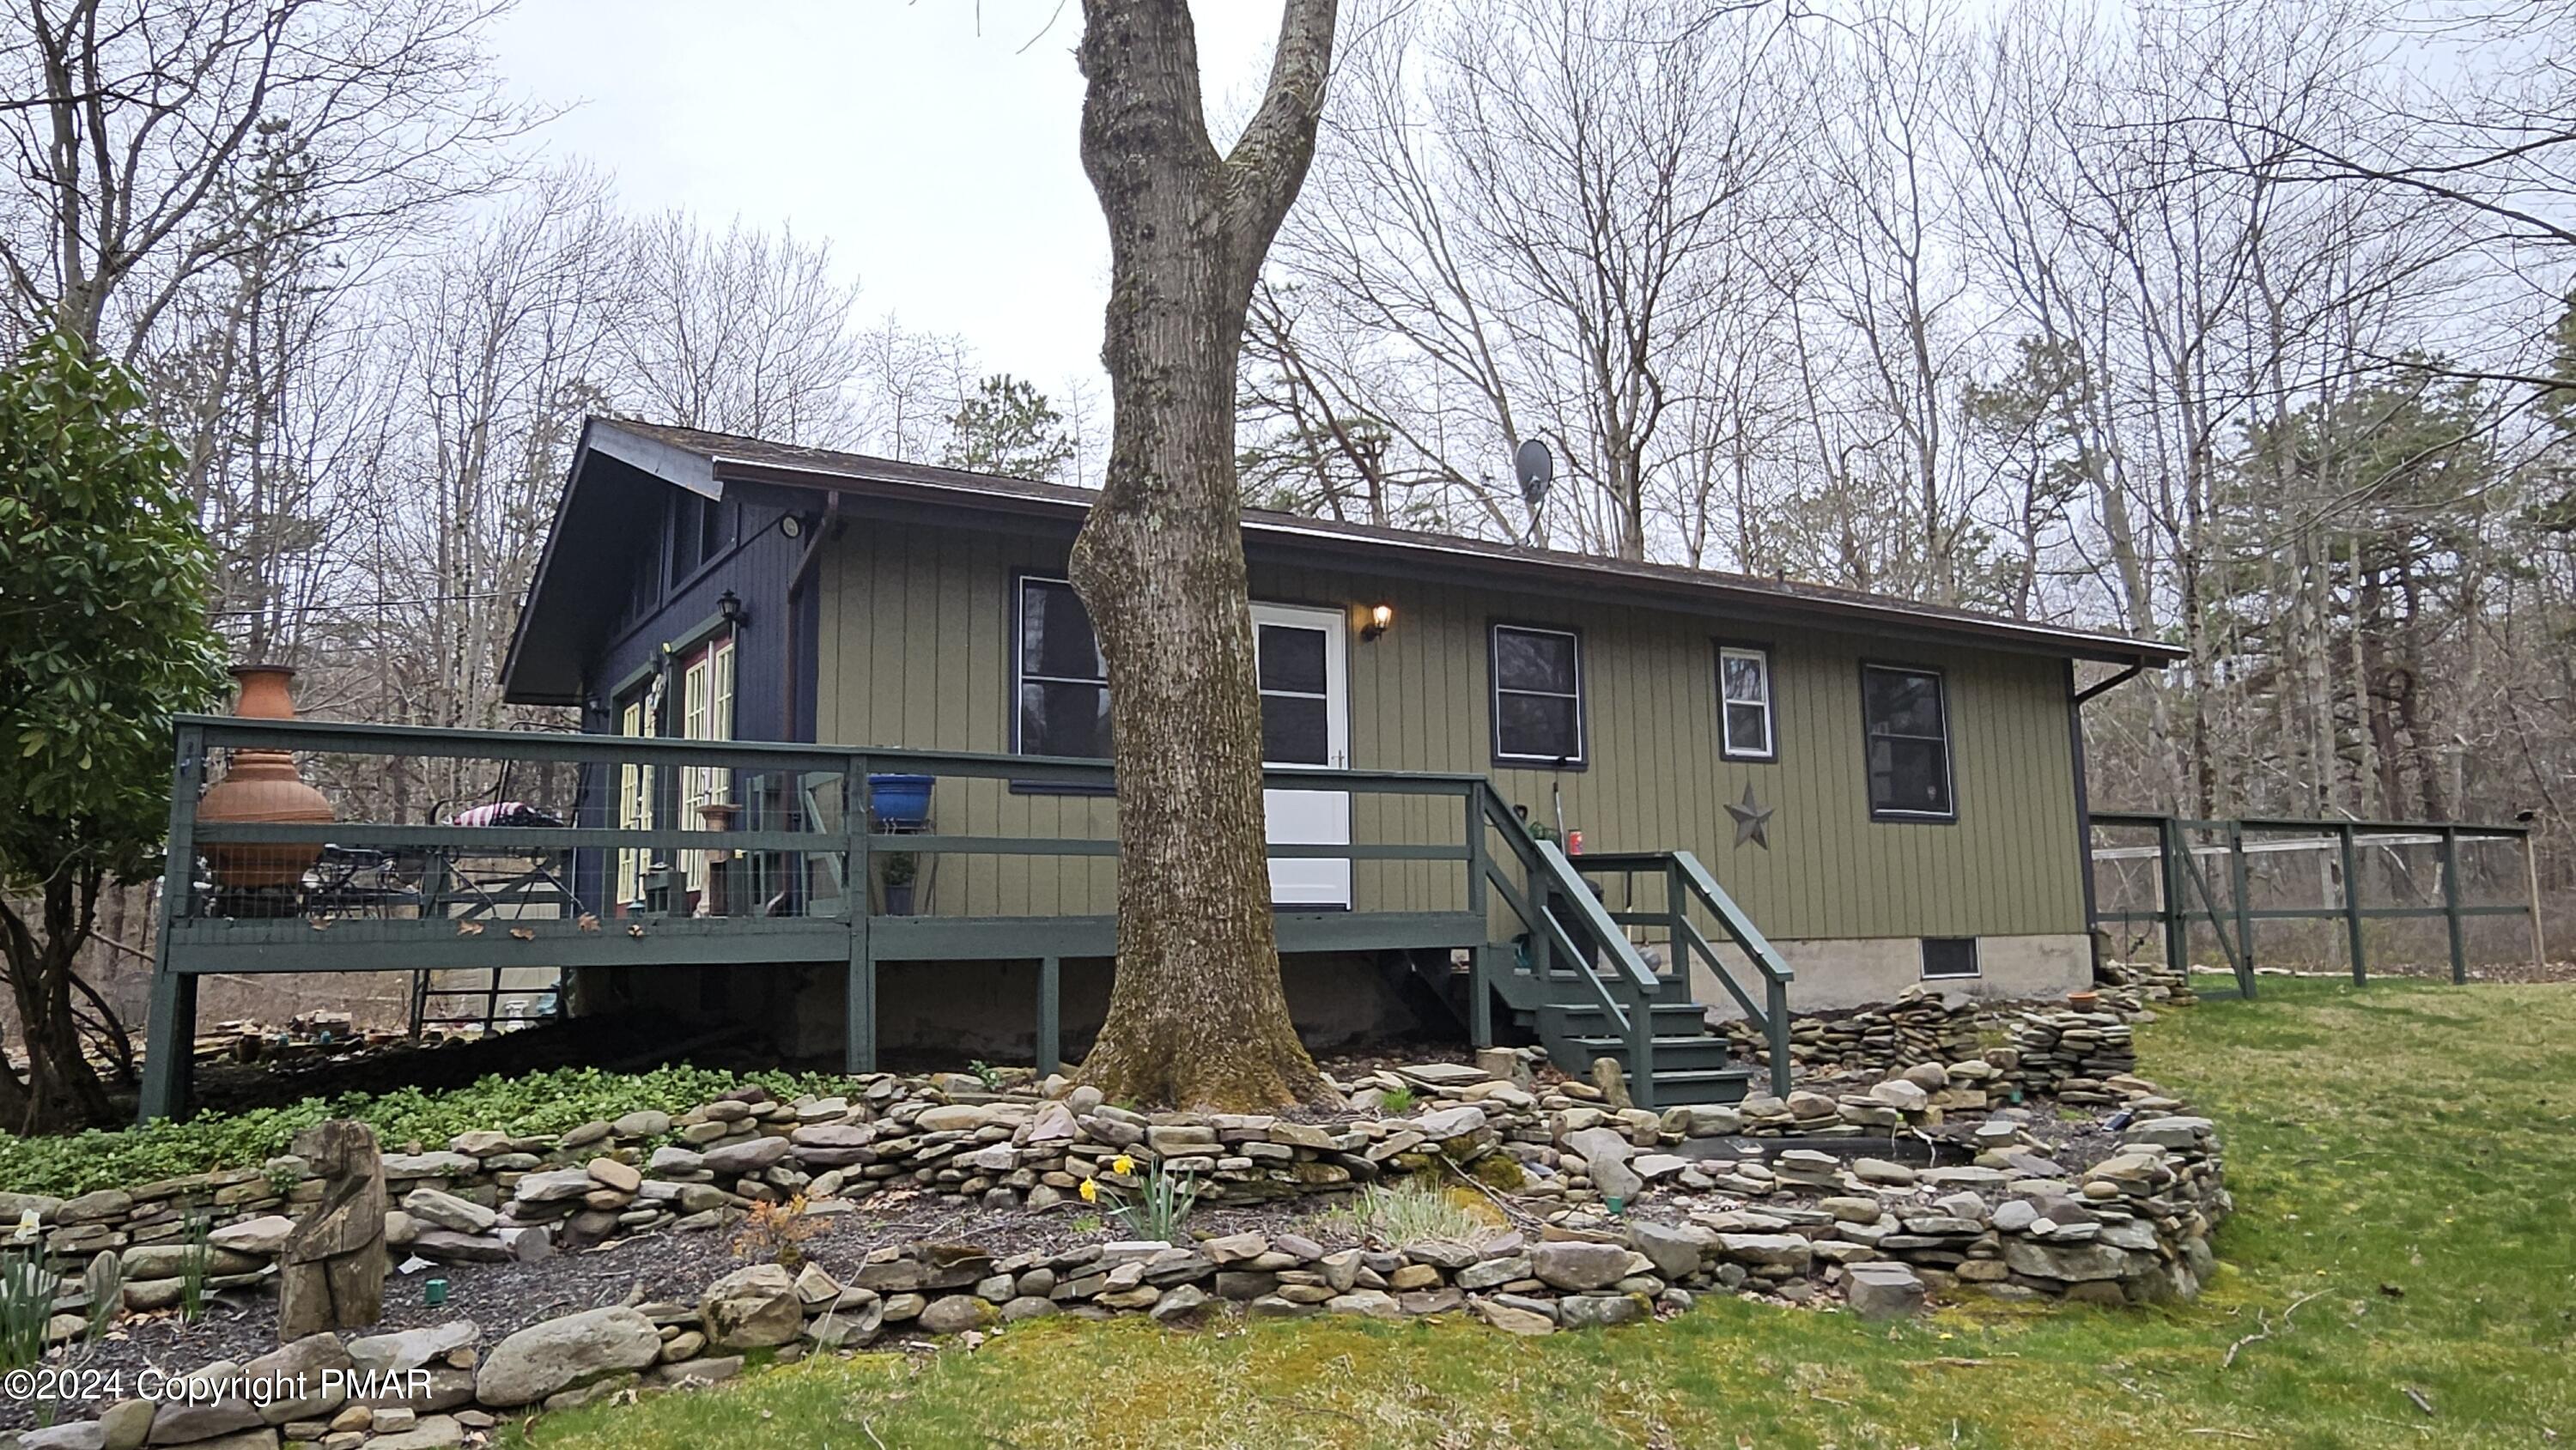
[
  {"x": 1538, "y": 695},
  {"x": 1905, "y": 723},
  {"x": 1058, "y": 675}
]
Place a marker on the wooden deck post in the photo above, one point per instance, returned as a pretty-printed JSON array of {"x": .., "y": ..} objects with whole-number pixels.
[
  {"x": 1050, "y": 1044},
  {"x": 1480, "y": 992},
  {"x": 2352, "y": 906},
  {"x": 860, "y": 1047},
  {"x": 170, "y": 1044}
]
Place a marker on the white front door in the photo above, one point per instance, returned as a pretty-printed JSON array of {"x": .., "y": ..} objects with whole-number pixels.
[{"x": 1303, "y": 660}]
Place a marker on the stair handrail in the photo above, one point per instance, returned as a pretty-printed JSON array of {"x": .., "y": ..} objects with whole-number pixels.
[
  {"x": 1545, "y": 866},
  {"x": 1773, "y": 1015}
]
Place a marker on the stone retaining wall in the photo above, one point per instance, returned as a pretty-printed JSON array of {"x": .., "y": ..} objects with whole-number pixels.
[{"x": 1715, "y": 1200}]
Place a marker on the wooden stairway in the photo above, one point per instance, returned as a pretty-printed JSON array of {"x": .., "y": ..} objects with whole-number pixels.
[{"x": 1571, "y": 978}]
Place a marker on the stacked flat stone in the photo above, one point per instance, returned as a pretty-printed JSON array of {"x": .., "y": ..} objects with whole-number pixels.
[
  {"x": 1919, "y": 1026},
  {"x": 2152, "y": 980},
  {"x": 2067, "y": 1054}
]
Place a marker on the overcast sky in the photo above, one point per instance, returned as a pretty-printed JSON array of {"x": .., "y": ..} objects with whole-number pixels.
[{"x": 941, "y": 163}]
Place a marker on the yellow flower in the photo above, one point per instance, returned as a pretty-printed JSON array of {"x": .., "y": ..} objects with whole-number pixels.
[
  {"x": 1122, "y": 1164},
  {"x": 1090, "y": 1191}
]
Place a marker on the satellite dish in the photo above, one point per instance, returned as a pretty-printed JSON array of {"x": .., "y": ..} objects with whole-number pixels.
[{"x": 1536, "y": 468}]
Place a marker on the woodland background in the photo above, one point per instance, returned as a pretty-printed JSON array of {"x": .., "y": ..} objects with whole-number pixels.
[{"x": 2241, "y": 325}]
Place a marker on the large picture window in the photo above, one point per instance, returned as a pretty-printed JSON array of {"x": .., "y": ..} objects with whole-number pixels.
[
  {"x": 1057, "y": 674},
  {"x": 1744, "y": 703},
  {"x": 1538, "y": 695},
  {"x": 1905, "y": 721}
]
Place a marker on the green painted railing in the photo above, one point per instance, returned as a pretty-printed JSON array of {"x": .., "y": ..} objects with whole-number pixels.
[
  {"x": 1625, "y": 992},
  {"x": 1686, "y": 881},
  {"x": 806, "y": 837}
]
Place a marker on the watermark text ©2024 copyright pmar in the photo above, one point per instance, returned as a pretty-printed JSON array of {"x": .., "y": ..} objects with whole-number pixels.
[{"x": 59, "y": 1384}]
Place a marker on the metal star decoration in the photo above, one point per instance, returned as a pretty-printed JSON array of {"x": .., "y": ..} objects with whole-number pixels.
[{"x": 1752, "y": 820}]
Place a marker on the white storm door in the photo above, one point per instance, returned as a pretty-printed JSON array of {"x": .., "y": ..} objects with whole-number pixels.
[{"x": 1303, "y": 660}]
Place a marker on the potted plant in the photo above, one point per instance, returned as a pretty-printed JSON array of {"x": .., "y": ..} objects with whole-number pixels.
[{"x": 897, "y": 876}]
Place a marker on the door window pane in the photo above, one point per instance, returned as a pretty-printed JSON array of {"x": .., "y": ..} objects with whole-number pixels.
[
  {"x": 1295, "y": 730},
  {"x": 1292, "y": 658}
]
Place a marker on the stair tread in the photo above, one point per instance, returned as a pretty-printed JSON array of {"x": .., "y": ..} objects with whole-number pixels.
[{"x": 1694, "y": 1039}]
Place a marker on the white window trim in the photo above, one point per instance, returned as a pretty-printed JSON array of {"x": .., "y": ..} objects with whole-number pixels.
[
  {"x": 1020, "y": 583},
  {"x": 1495, "y": 692},
  {"x": 634, "y": 798},
  {"x": 1770, "y": 721},
  {"x": 1976, "y": 961},
  {"x": 1949, "y": 747},
  {"x": 706, "y": 713}
]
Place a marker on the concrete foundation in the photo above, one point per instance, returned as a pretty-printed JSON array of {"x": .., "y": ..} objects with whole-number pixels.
[{"x": 1839, "y": 973}]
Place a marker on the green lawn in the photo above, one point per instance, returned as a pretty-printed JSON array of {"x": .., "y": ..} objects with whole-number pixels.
[{"x": 2401, "y": 1163}]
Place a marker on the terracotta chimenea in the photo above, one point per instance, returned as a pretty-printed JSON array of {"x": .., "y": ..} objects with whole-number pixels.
[{"x": 263, "y": 786}]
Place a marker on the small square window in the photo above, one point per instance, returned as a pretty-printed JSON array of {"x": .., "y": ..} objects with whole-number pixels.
[
  {"x": 1538, "y": 695},
  {"x": 1949, "y": 956},
  {"x": 1744, "y": 703}
]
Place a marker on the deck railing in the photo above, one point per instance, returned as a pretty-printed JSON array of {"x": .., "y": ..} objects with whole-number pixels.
[
  {"x": 1686, "y": 884},
  {"x": 613, "y": 862}
]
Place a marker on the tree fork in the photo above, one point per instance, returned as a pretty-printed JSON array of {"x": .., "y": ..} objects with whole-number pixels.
[{"x": 1197, "y": 1014}]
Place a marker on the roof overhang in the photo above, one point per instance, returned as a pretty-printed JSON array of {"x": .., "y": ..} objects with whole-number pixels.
[{"x": 545, "y": 670}]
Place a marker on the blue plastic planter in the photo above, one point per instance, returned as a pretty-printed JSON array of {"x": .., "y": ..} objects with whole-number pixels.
[{"x": 900, "y": 800}]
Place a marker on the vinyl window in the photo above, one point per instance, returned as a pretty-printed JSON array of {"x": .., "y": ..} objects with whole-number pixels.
[
  {"x": 1538, "y": 695},
  {"x": 1058, "y": 677},
  {"x": 1744, "y": 703},
  {"x": 1905, "y": 720}
]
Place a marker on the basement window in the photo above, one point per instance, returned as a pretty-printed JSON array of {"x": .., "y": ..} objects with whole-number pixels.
[{"x": 1949, "y": 956}]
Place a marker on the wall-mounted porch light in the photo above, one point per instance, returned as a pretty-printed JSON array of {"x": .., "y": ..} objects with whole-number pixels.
[
  {"x": 729, "y": 605},
  {"x": 1377, "y": 620}
]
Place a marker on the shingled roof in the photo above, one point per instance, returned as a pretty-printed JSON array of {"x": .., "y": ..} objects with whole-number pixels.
[{"x": 707, "y": 462}]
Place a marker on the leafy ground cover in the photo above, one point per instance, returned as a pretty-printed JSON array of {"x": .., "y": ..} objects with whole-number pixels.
[
  {"x": 2401, "y": 1271},
  {"x": 540, "y": 1102}
]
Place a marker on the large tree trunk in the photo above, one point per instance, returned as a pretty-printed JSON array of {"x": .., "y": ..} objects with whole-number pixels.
[{"x": 1197, "y": 1015}]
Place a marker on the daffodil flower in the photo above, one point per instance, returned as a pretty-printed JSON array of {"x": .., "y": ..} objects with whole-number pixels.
[
  {"x": 1122, "y": 1164},
  {"x": 1090, "y": 1191}
]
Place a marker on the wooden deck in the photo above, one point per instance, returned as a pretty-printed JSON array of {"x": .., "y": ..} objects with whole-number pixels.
[{"x": 802, "y": 881}]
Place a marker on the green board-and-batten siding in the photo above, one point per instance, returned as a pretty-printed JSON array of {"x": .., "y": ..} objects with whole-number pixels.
[{"x": 914, "y": 651}]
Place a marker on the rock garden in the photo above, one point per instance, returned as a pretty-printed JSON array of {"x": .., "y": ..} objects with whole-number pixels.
[{"x": 1928, "y": 1153}]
